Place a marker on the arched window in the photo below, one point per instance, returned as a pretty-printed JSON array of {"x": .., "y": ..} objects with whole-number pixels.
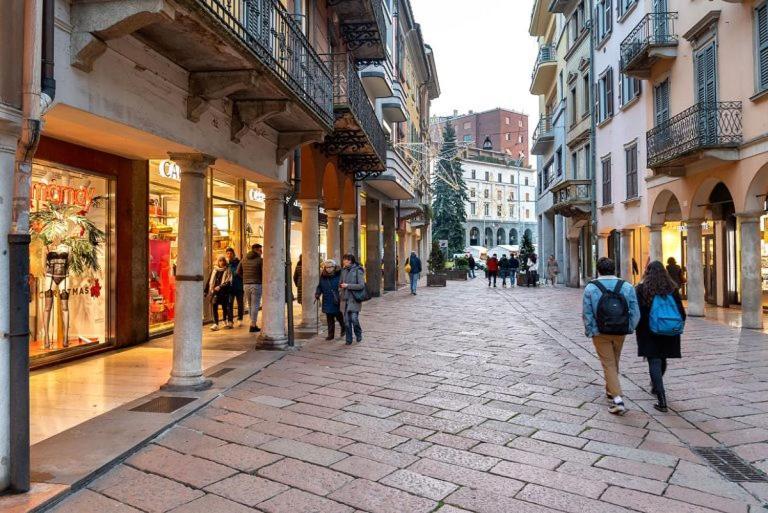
[
  {"x": 488, "y": 242},
  {"x": 500, "y": 236},
  {"x": 474, "y": 236},
  {"x": 528, "y": 234},
  {"x": 513, "y": 237}
]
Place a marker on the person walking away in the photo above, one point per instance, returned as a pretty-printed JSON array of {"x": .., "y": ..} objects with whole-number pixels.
[
  {"x": 237, "y": 286},
  {"x": 352, "y": 281},
  {"x": 552, "y": 270},
  {"x": 662, "y": 319},
  {"x": 413, "y": 268},
  {"x": 328, "y": 290},
  {"x": 676, "y": 273},
  {"x": 250, "y": 271},
  {"x": 219, "y": 289},
  {"x": 472, "y": 265},
  {"x": 532, "y": 274},
  {"x": 610, "y": 312},
  {"x": 504, "y": 267},
  {"x": 492, "y": 266},
  {"x": 514, "y": 268},
  {"x": 297, "y": 280}
]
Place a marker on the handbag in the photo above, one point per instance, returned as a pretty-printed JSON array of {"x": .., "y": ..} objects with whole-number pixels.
[
  {"x": 408, "y": 268},
  {"x": 363, "y": 295}
]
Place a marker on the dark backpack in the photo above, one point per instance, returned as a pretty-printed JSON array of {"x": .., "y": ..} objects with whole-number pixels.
[{"x": 612, "y": 310}]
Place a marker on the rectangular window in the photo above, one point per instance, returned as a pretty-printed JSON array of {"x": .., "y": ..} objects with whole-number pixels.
[
  {"x": 706, "y": 74},
  {"x": 604, "y": 105},
  {"x": 487, "y": 209},
  {"x": 527, "y": 196},
  {"x": 624, "y": 6},
  {"x": 498, "y": 211},
  {"x": 661, "y": 102},
  {"x": 506, "y": 120},
  {"x": 526, "y": 180},
  {"x": 630, "y": 156},
  {"x": 472, "y": 208},
  {"x": 519, "y": 139},
  {"x": 630, "y": 89},
  {"x": 587, "y": 162},
  {"x": 606, "y": 170},
  {"x": 575, "y": 165},
  {"x": 486, "y": 194},
  {"x": 512, "y": 178},
  {"x": 487, "y": 176},
  {"x": 467, "y": 125},
  {"x": 559, "y": 162},
  {"x": 499, "y": 180},
  {"x": 507, "y": 136},
  {"x": 761, "y": 39},
  {"x": 527, "y": 213},
  {"x": 573, "y": 107},
  {"x": 472, "y": 192},
  {"x": 586, "y": 100},
  {"x": 498, "y": 195},
  {"x": 474, "y": 174},
  {"x": 603, "y": 19}
]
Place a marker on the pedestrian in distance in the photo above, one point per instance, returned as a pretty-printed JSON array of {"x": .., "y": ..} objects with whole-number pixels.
[
  {"x": 504, "y": 269},
  {"x": 218, "y": 289},
  {"x": 472, "y": 265},
  {"x": 492, "y": 269},
  {"x": 237, "y": 286},
  {"x": 610, "y": 312},
  {"x": 662, "y": 320},
  {"x": 250, "y": 270},
  {"x": 552, "y": 270},
  {"x": 514, "y": 269},
  {"x": 413, "y": 269},
  {"x": 353, "y": 293},
  {"x": 532, "y": 273},
  {"x": 297, "y": 280},
  {"x": 676, "y": 272},
  {"x": 328, "y": 292}
]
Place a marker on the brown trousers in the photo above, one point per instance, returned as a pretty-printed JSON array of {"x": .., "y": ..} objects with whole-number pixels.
[{"x": 608, "y": 349}]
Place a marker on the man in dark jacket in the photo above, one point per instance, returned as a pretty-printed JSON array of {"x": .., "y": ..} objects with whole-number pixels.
[
  {"x": 237, "y": 286},
  {"x": 414, "y": 265},
  {"x": 504, "y": 267},
  {"x": 493, "y": 269},
  {"x": 250, "y": 270},
  {"x": 514, "y": 268},
  {"x": 472, "y": 265}
]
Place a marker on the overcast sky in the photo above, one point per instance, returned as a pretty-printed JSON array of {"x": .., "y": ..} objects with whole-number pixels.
[{"x": 483, "y": 51}]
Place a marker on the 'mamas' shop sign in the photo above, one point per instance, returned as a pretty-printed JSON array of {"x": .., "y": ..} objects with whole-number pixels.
[{"x": 56, "y": 194}]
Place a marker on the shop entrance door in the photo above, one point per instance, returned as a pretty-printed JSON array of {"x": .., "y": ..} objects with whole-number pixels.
[{"x": 709, "y": 259}]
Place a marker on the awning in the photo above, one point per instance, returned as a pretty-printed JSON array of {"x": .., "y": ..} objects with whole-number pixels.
[{"x": 391, "y": 186}]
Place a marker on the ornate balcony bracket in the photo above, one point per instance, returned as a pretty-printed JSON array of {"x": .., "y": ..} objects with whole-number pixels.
[
  {"x": 289, "y": 141},
  {"x": 344, "y": 141},
  {"x": 358, "y": 35},
  {"x": 360, "y": 167},
  {"x": 214, "y": 85},
  {"x": 247, "y": 115}
]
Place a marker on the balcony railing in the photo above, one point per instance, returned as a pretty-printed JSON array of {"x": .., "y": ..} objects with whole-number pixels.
[
  {"x": 349, "y": 96},
  {"x": 547, "y": 53},
  {"x": 656, "y": 29},
  {"x": 706, "y": 125},
  {"x": 572, "y": 198},
  {"x": 277, "y": 40},
  {"x": 364, "y": 31},
  {"x": 543, "y": 135}
]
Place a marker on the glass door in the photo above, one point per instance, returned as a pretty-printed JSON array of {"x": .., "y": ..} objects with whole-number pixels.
[{"x": 710, "y": 268}]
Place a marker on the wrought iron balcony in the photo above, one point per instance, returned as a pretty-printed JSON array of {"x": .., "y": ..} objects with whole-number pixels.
[
  {"x": 703, "y": 130},
  {"x": 572, "y": 198},
  {"x": 543, "y": 136},
  {"x": 363, "y": 27},
  {"x": 652, "y": 39},
  {"x": 544, "y": 70},
  {"x": 277, "y": 40},
  {"x": 358, "y": 137}
]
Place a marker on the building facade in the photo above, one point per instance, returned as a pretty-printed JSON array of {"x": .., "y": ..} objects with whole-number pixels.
[
  {"x": 502, "y": 199},
  {"x": 180, "y": 129},
  {"x": 500, "y": 129}
]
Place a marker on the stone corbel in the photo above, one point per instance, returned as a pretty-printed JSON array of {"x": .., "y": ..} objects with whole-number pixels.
[
  {"x": 247, "y": 115},
  {"x": 289, "y": 141},
  {"x": 213, "y": 85},
  {"x": 93, "y": 23}
]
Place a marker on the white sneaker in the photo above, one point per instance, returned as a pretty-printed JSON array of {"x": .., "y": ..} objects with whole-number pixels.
[
  {"x": 238, "y": 323},
  {"x": 214, "y": 327},
  {"x": 618, "y": 408}
]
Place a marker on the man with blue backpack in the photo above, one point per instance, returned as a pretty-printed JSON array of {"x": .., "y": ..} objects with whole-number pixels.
[
  {"x": 610, "y": 312},
  {"x": 662, "y": 320}
]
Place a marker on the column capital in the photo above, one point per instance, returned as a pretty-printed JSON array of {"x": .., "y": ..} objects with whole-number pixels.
[
  {"x": 626, "y": 231},
  {"x": 309, "y": 203},
  {"x": 655, "y": 227},
  {"x": 750, "y": 217},
  {"x": 191, "y": 161},
  {"x": 694, "y": 220},
  {"x": 333, "y": 214},
  {"x": 603, "y": 235},
  {"x": 275, "y": 191},
  {"x": 349, "y": 217}
]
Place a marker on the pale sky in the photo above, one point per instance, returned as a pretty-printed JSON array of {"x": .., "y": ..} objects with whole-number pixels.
[{"x": 484, "y": 53}]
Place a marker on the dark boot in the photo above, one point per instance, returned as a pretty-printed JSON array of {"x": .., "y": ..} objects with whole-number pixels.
[
  {"x": 661, "y": 405},
  {"x": 331, "y": 328}
]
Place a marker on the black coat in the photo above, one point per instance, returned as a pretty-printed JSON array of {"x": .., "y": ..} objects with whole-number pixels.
[{"x": 649, "y": 344}]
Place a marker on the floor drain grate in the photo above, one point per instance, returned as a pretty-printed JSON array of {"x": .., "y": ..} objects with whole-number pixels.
[
  {"x": 730, "y": 465},
  {"x": 219, "y": 373},
  {"x": 163, "y": 404}
]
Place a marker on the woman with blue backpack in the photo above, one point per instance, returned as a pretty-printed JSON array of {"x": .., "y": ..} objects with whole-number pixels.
[{"x": 662, "y": 320}]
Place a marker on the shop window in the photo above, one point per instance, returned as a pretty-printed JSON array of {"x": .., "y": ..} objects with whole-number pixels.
[{"x": 71, "y": 219}]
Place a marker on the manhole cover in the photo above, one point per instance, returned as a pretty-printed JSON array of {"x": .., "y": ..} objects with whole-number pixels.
[
  {"x": 219, "y": 373},
  {"x": 730, "y": 465},
  {"x": 163, "y": 404}
]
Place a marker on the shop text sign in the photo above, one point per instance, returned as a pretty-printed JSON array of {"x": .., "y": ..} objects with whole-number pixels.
[
  {"x": 169, "y": 169},
  {"x": 56, "y": 194},
  {"x": 256, "y": 195}
]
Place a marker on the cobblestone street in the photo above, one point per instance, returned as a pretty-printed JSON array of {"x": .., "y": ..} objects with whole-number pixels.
[{"x": 461, "y": 399}]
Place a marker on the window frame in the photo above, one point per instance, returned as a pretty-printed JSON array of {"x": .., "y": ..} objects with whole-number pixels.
[
  {"x": 761, "y": 61},
  {"x": 630, "y": 163},
  {"x": 606, "y": 172}
]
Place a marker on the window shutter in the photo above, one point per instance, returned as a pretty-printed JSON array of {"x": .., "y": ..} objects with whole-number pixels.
[
  {"x": 623, "y": 95},
  {"x": 608, "y": 16},
  {"x": 609, "y": 93},
  {"x": 761, "y": 15}
]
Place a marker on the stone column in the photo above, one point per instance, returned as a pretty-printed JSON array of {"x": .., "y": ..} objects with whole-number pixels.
[
  {"x": 574, "y": 280},
  {"x": 694, "y": 269},
  {"x": 350, "y": 227},
  {"x": 373, "y": 246},
  {"x": 626, "y": 255},
  {"x": 273, "y": 332},
  {"x": 187, "y": 371},
  {"x": 751, "y": 277},
  {"x": 333, "y": 237},
  {"x": 656, "y": 252},
  {"x": 402, "y": 255},
  {"x": 390, "y": 254},
  {"x": 310, "y": 258}
]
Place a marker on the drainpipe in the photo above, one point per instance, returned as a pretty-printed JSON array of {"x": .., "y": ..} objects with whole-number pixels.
[
  {"x": 593, "y": 134},
  {"x": 37, "y": 67}
]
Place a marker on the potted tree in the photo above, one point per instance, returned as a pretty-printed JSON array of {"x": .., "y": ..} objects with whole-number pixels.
[
  {"x": 436, "y": 276},
  {"x": 526, "y": 249}
]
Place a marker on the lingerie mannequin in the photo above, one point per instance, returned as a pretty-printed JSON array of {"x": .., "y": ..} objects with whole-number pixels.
[{"x": 56, "y": 272}]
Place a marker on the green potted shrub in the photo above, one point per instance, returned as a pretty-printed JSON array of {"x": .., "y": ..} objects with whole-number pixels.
[
  {"x": 459, "y": 271},
  {"x": 526, "y": 249},
  {"x": 436, "y": 263}
]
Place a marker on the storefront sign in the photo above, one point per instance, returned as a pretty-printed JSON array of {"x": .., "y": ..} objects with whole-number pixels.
[
  {"x": 169, "y": 169},
  {"x": 56, "y": 194},
  {"x": 256, "y": 195}
]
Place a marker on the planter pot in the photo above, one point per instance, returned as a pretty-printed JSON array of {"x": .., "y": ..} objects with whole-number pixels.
[
  {"x": 522, "y": 279},
  {"x": 457, "y": 275},
  {"x": 436, "y": 280}
]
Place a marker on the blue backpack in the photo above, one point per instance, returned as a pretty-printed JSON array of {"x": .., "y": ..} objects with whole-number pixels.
[{"x": 665, "y": 318}]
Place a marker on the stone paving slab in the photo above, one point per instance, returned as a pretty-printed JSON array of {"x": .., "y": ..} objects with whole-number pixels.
[{"x": 438, "y": 411}]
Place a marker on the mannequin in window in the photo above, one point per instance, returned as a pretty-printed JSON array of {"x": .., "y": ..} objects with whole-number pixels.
[{"x": 56, "y": 279}]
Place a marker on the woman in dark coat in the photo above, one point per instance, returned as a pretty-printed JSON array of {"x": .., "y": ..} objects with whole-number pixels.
[
  {"x": 656, "y": 348},
  {"x": 328, "y": 289}
]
